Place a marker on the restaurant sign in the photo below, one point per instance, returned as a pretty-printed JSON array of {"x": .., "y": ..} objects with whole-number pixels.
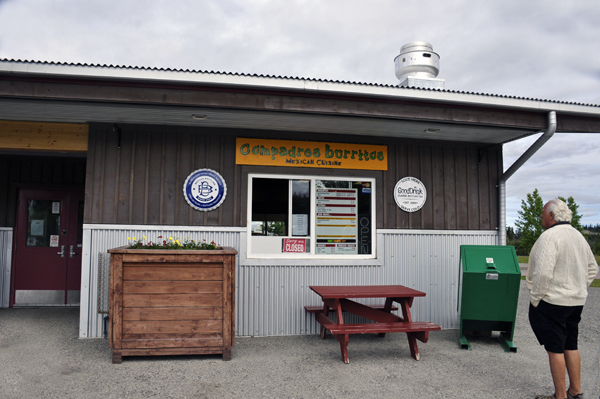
[{"x": 310, "y": 154}]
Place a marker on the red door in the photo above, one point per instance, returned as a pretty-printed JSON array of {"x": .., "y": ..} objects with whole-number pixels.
[{"x": 48, "y": 241}]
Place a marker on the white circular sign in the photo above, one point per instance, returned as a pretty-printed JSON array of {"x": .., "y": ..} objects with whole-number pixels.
[
  {"x": 410, "y": 194},
  {"x": 204, "y": 189}
]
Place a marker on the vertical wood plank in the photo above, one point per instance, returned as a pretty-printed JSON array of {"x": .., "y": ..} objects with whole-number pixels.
[
  {"x": 36, "y": 171},
  {"x": 25, "y": 172},
  {"x": 192, "y": 167},
  {"x": 244, "y": 197},
  {"x": 170, "y": 175},
  {"x": 227, "y": 302},
  {"x": 177, "y": 197},
  {"x": 496, "y": 169},
  {"x": 200, "y": 153},
  {"x": 79, "y": 173},
  {"x": 214, "y": 163},
  {"x": 462, "y": 218},
  {"x": 473, "y": 188},
  {"x": 414, "y": 169},
  {"x": 116, "y": 277},
  {"x": 426, "y": 179},
  {"x": 138, "y": 198},
  {"x": 402, "y": 218},
  {"x": 227, "y": 169},
  {"x": 69, "y": 172},
  {"x": 56, "y": 172},
  {"x": 110, "y": 179},
  {"x": 132, "y": 177},
  {"x": 155, "y": 175},
  {"x": 389, "y": 213},
  {"x": 449, "y": 188},
  {"x": 186, "y": 166},
  {"x": 123, "y": 177},
  {"x": 484, "y": 192},
  {"x": 147, "y": 177},
  {"x": 438, "y": 193},
  {"x": 92, "y": 184},
  {"x": 46, "y": 177}
]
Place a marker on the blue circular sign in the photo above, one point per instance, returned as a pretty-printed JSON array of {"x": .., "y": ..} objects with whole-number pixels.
[{"x": 204, "y": 189}]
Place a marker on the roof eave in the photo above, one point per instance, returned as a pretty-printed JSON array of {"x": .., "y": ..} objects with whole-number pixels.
[{"x": 288, "y": 84}]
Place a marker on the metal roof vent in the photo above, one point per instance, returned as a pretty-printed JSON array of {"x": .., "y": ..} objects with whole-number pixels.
[{"x": 417, "y": 66}]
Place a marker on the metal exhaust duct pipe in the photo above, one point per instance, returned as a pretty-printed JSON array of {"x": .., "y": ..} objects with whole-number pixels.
[{"x": 548, "y": 133}]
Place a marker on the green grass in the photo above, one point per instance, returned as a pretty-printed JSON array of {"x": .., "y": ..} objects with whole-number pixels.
[
  {"x": 595, "y": 283},
  {"x": 525, "y": 259}
]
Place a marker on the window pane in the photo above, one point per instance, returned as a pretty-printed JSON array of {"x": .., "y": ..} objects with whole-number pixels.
[
  {"x": 300, "y": 207},
  {"x": 343, "y": 219},
  {"x": 365, "y": 217},
  {"x": 289, "y": 214},
  {"x": 270, "y": 206},
  {"x": 336, "y": 223},
  {"x": 43, "y": 223}
]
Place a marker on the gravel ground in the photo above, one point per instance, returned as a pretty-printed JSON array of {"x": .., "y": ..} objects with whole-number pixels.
[{"x": 41, "y": 357}]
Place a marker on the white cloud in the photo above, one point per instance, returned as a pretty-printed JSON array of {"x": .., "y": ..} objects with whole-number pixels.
[{"x": 544, "y": 49}]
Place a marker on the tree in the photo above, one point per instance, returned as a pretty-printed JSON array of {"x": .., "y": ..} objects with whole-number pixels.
[
  {"x": 510, "y": 233},
  {"x": 576, "y": 220},
  {"x": 529, "y": 221}
]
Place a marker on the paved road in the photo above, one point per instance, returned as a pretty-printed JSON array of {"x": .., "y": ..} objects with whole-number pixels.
[{"x": 41, "y": 357}]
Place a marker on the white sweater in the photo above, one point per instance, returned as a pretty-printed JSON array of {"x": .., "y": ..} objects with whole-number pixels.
[{"x": 561, "y": 267}]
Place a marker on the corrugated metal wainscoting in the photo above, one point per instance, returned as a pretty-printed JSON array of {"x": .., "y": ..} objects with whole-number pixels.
[
  {"x": 270, "y": 297},
  {"x": 98, "y": 239},
  {"x": 6, "y": 240}
]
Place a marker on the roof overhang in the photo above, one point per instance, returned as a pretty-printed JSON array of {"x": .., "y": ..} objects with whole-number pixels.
[{"x": 83, "y": 94}]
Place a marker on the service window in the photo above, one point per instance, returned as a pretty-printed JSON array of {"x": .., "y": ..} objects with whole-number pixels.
[{"x": 311, "y": 217}]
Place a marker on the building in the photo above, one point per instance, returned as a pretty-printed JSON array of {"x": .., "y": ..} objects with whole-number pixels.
[{"x": 94, "y": 154}]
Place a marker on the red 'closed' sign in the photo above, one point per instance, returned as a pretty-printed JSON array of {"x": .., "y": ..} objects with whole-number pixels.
[{"x": 294, "y": 245}]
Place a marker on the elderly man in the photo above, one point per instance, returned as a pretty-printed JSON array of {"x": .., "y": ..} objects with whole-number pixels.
[{"x": 561, "y": 267}]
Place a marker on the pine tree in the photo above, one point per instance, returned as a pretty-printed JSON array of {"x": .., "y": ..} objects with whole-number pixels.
[{"x": 529, "y": 221}]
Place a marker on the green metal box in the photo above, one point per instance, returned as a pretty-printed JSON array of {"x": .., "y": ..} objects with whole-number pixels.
[{"x": 489, "y": 292}]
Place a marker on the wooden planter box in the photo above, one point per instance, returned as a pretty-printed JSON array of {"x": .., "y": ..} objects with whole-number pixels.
[{"x": 171, "y": 302}]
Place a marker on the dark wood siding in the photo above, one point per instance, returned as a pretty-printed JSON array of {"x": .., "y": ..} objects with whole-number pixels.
[
  {"x": 460, "y": 180},
  {"x": 141, "y": 183},
  {"x": 41, "y": 172}
]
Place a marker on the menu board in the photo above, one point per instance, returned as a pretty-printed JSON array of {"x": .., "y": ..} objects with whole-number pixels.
[{"x": 336, "y": 225}]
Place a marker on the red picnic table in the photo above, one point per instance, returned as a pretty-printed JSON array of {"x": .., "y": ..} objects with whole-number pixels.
[{"x": 337, "y": 298}]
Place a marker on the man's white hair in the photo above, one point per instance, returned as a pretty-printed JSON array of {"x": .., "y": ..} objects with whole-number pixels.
[{"x": 561, "y": 211}]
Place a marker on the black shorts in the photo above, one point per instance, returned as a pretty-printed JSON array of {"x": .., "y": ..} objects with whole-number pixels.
[{"x": 556, "y": 327}]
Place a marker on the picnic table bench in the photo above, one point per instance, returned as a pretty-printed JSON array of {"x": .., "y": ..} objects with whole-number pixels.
[{"x": 337, "y": 299}]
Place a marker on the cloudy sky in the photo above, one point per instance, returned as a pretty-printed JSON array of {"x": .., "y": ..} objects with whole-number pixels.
[{"x": 541, "y": 49}]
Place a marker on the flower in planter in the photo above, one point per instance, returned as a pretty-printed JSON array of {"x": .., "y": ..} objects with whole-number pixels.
[{"x": 171, "y": 243}]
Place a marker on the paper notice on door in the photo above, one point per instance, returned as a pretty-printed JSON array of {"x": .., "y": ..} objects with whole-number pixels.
[
  {"x": 54, "y": 240},
  {"x": 37, "y": 227},
  {"x": 56, "y": 207}
]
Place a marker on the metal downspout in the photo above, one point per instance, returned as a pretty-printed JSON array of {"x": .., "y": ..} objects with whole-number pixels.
[{"x": 548, "y": 133}]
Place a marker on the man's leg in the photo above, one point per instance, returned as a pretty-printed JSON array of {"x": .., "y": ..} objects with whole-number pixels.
[
  {"x": 573, "y": 364},
  {"x": 558, "y": 371}
]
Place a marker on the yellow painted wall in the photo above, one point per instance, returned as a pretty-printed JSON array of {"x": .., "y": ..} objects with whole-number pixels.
[{"x": 43, "y": 136}]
